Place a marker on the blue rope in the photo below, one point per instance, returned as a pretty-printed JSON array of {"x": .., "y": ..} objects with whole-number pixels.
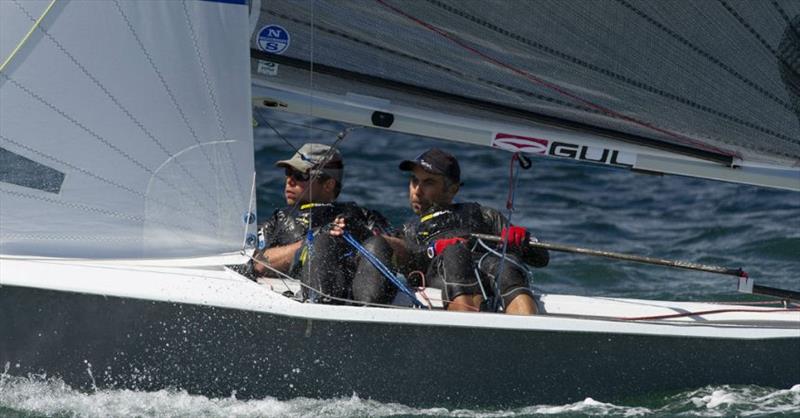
[{"x": 382, "y": 268}]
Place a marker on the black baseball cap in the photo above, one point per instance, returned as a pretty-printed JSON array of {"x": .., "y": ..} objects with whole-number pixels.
[{"x": 435, "y": 161}]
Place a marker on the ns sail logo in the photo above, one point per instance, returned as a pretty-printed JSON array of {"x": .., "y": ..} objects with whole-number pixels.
[{"x": 273, "y": 39}]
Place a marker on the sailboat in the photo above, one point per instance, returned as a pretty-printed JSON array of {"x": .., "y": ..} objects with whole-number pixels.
[{"x": 127, "y": 187}]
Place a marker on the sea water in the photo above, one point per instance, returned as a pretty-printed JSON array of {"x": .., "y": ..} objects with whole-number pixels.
[{"x": 559, "y": 201}]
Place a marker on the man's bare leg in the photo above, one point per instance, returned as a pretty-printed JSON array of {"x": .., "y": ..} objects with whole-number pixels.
[
  {"x": 465, "y": 303},
  {"x": 521, "y": 305}
]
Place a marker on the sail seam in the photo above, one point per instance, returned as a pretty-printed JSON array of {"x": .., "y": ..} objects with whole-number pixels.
[
  {"x": 99, "y": 138},
  {"x": 119, "y": 105},
  {"x": 786, "y": 18},
  {"x": 85, "y": 208},
  {"x": 705, "y": 54},
  {"x": 550, "y": 99},
  {"x": 622, "y": 78},
  {"x": 169, "y": 92},
  {"x": 63, "y": 237},
  {"x": 584, "y": 64},
  {"x": 503, "y": 109},
  {"x": 752, "y": 31},
  {"x": 101, "y": 211},
  {"x": 212, "y": 95},
  {"x": 536, "y": 80},
  {"x": 90, "y": 174}
]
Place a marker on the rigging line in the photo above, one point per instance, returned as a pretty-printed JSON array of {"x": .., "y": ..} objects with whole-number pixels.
[
  {"x": 264, "y": 118},
  {"x": 211, "y": 94},
  {"x": 309, "y": 234},
  {"x": 27, "y": 36},
  {"x": 382, "y": 268},
  {"x": 311, "y": 62},
  {"x": 551, "y": 86},
  {"x": 300, "y": 125},
  {"x": 316, "y": 173},
  {"x": 512, "y": 182}
]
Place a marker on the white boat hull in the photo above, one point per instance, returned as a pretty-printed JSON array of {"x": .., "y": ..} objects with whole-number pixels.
[{"x": 210, "y": 331}]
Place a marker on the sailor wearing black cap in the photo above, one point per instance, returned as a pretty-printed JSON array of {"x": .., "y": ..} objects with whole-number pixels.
[
  {"x": 436, "y": 242},
  {"x": 298, "y": 240}
]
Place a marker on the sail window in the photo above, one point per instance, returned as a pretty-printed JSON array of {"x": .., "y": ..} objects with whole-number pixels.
[{"x": 21, "y": 171}]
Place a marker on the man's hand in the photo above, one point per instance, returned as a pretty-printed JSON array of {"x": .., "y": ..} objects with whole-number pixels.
[
  {"x": 441, "y": 244},
  {"x": 516, "y": 236},
  {"x": 338, "y": 226}
]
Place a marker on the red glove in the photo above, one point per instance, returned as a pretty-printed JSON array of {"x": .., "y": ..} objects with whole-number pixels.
[
  {"x": 441, "y": 244},
  {"x": 515, "y": 235}
]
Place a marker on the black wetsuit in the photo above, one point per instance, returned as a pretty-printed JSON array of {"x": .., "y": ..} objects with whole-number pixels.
[
  {"x": 461, "y": 270},
  {"x": 326, "y": 264}
]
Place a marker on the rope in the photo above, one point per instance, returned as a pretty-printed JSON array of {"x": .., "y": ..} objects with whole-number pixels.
[
  {"x": 513, "y": 177},
  {"x": 713, "y": 311},
  {"x": 276, "y": 132},
  {"x": 286, "y": 277},
  {"x": 382, "y": 268},
  {"x": 24, "y": 40}
]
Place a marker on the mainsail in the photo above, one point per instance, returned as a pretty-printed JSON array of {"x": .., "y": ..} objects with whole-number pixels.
[
  {"x": 124, "y": 128},
  {"x": 708, "y": 89}
]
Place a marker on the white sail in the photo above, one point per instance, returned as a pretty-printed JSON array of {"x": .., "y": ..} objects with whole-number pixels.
[{"x": 124, "y": 128}]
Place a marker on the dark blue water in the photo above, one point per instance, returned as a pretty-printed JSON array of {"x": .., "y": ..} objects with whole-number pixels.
[{"x": 559, "y": 201}]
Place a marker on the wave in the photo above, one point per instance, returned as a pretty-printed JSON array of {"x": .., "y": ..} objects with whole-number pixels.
[{"x": 41, "y": 396}]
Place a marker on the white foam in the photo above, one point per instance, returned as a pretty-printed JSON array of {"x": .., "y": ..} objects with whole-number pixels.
[
  {"x": 589, "y": 406},
  {"x": 45, "y": 396}
]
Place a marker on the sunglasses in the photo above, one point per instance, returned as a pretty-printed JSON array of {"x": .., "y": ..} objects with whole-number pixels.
[
  {"x": 297, "y": 175},
  {"x": 300, "y": 176}
]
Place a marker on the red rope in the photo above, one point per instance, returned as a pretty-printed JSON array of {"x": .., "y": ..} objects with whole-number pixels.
[
  {"x": 552, "y": 86},
  {"x": 714, "y": 311}
]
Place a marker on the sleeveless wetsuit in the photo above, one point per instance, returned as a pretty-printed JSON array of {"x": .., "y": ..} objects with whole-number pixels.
[{"x": 460, "y": 270}]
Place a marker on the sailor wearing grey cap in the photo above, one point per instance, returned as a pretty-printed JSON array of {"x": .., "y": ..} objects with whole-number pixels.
[
  {"x": 436, "y": 242},
  {"x": 313, "y": 181},
  {"x": 319, "y": 161}
]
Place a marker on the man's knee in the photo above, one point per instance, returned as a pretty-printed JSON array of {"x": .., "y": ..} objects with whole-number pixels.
[
  {"x": 369, "y": 285},
  {"x": 378, "y": 246}
]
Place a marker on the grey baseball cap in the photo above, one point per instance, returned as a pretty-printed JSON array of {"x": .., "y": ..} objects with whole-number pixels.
[{"x": 316, "y": 159}]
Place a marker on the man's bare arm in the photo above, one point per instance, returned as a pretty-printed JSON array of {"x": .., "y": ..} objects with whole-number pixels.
[{"x": 279, "y": 258}]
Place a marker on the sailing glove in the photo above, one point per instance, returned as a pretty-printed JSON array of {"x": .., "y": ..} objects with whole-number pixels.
[
  {"x": 439, "y": 245},
  {"x": 516, "y": 236}
]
